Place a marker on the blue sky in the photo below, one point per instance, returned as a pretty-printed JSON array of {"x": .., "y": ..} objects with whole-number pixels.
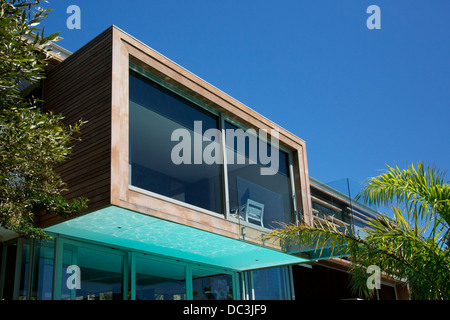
[{"x": 361, "y": 99}]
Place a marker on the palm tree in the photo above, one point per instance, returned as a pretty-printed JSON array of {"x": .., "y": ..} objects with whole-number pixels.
[{"x": 412, "y": 245}]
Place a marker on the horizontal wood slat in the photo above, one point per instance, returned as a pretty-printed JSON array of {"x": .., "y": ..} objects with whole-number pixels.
[{"x": 80, "y": 88}]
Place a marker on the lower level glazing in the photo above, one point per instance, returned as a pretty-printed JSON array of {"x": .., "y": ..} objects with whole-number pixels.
[{"x": 67, "y": 268}]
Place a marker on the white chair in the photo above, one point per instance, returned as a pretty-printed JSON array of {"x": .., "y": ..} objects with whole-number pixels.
[{"x": 254, "y": 211}]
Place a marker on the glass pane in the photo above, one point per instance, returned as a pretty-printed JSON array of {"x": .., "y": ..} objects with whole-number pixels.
[
  {"x": 208, "y": 285},
  {"x": 172, "y": 166},
  {"x": 261, "y": 199},
  {"x": 24, "y": 271},
  {"x": 157, "y": 280},
  {"x": 100, "y": 274},
  {"x": 43, "y": 270},
  {"x": 271, "y": 284}
]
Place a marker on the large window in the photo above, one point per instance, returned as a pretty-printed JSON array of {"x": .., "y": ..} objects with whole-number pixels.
[
  {"x": 156, "y": 114},
  {"x": 253, "y": 175},
  {"x": 257, "y": 198}
]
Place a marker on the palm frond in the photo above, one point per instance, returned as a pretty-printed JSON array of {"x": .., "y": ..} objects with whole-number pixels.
[
  {"x": 317, "y": 238},
  {"x": 393, "y": 245},
  {"x": 422, "y": 192},
  {"x": 402, "y": 246}
]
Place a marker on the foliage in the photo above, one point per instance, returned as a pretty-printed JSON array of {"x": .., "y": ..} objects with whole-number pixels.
[
  {"x": 21, "y": 59},
  {"x": 411, "y": 246},
  {"x": 32, "y": 143},
  {"x": 422, "y": 193}
]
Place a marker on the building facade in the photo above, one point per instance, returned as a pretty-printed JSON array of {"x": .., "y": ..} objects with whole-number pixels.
[{"x": 183, "y": 181}]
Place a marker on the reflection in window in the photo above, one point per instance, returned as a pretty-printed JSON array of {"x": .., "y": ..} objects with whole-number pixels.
[
  {"x": 159, "y": 281},
  {"x": 208, "y": 285},
  {"x": 259, "y": 199},
  {"x": 271, "y": 284},
  {"x": 155, "y": 113},
  {"x": 100, "y": 274}
]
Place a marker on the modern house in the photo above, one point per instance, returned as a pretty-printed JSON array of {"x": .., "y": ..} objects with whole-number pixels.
[{"x": 183, "y": 181}]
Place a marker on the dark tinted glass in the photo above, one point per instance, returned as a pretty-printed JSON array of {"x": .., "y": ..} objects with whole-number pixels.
[{"x": 155, "y": 114}]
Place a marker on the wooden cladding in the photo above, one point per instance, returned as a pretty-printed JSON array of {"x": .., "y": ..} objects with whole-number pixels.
[{"x": 80, "y": 88}]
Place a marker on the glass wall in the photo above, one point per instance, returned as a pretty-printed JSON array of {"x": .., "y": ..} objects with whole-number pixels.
[
  {"x": 27, "y": 272},
  {"x": 157, "y": 280},
  {"x": 90, "y": 271},
  {"x": 165, "y": 134},
  {"x": 271, "y": 284},
  {"x": 208, "y": 285},
  {"x": 176, "y": 151}
]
